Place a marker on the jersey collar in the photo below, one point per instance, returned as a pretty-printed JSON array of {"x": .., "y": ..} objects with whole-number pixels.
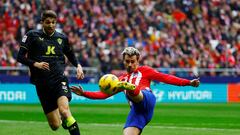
[{"x": 47, "y": 34}]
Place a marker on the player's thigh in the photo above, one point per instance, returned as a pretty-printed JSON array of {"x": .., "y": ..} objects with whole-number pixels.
[
  {"x": 131, "y": 131},
  {"x": 136, "y": 99},
  {"x": 54, "y": 118},
  {"x": 47, "y": 97}
]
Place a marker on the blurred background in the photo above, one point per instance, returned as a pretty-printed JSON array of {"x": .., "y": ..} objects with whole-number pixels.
[
  {"x": 180, "y": 37},
  {"x": 186, "y": 38}
]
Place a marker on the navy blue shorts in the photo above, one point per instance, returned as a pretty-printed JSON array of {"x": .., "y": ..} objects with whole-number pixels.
[{"x": 141, "y": 113}]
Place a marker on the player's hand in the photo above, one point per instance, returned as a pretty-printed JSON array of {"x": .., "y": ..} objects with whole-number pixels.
[
  {"x": 42, "y": 65},
  {"x": 77, "y": 90},
  {"x": 80, "y": 74},
  {"x": 195, "y": 82}
]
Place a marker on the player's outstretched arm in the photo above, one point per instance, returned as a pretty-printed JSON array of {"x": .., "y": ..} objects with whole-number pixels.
[
  {"x": 77, "y": 90},
  {"x": 91, "y": 95}
]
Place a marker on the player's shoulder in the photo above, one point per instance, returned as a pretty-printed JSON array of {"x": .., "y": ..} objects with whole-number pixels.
[
  {"x": 60, "y": 35},
  {"x": 145, "y": 68},
  {"x": 122, "y": 76},
  {"x": 34, "y": 33},
  {"x": 31, "y": 34}
]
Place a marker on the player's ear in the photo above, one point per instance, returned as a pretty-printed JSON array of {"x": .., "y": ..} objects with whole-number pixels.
[{"x": 139, "y": 58}]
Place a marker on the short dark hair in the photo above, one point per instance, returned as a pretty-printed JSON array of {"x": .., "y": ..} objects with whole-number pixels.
[{"x": 48, "y": 13}]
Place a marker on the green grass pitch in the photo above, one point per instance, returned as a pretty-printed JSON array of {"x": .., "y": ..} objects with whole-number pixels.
[{"x": 108, "y": 119}]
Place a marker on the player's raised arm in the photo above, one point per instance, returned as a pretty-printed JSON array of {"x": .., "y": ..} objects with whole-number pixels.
[
  {"x": 109, "y": 85},
  {"x": 171, "y": 79}
]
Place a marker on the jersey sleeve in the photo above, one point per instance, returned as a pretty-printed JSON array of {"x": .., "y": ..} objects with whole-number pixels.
[
  {"x": 166, "y": 78},
  {"x": 26, "y": 40},
  {"x": 24, "y": 48},
  {"x": 96, "y": 95},
  {"x": 68, "y": 51}
]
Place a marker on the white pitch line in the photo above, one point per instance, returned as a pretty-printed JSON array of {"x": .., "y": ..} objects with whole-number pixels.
[
  {"x": 166, "y": 127},
  {"x": 121, "y": 125}
]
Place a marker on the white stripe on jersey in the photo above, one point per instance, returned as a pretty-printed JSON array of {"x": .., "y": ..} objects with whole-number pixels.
[{"x": 138, "y": 77}]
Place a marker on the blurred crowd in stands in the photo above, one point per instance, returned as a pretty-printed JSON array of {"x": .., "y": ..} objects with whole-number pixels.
[{"x": 169, "y": 33}]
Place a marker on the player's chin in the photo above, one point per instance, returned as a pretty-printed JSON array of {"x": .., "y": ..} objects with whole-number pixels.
[
  {"x": 50, "y": 30},
  {"x": 129, "y": 70}
]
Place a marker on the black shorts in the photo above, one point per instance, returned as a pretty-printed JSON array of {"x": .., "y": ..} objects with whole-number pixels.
[{"x": 49, "y": 93}]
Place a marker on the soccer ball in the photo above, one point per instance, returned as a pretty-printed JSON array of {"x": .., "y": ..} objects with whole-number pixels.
[{"x": 108, "y": 83}]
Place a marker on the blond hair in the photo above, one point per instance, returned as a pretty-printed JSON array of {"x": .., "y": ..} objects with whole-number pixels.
[{"x": 131, "y": 51}]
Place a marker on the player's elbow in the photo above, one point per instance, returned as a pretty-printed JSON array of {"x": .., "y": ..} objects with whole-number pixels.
[{"x": 21, "y": 55}]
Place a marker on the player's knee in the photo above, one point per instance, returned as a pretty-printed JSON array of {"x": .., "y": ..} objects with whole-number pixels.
[
  {"x": 54, "y": 125},
  {"x": 131, "y": 131},
  {"x": 54, "y": 128}
]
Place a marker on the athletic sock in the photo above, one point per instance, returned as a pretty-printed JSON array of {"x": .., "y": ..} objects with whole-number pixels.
[
  {"x": 64, "y": 125},
  {"x": 72, "y": 126},
  {"x": 73, "y": 129}
]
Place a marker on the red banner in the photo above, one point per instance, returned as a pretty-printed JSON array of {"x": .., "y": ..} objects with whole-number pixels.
[{"x": 233, "y": 92}]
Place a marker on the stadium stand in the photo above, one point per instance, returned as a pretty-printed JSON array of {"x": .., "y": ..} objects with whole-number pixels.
[{"x": 192, "y": 34}]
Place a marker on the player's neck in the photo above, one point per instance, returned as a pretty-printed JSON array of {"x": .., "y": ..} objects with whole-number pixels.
[{"x": 129, "y": 72}]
